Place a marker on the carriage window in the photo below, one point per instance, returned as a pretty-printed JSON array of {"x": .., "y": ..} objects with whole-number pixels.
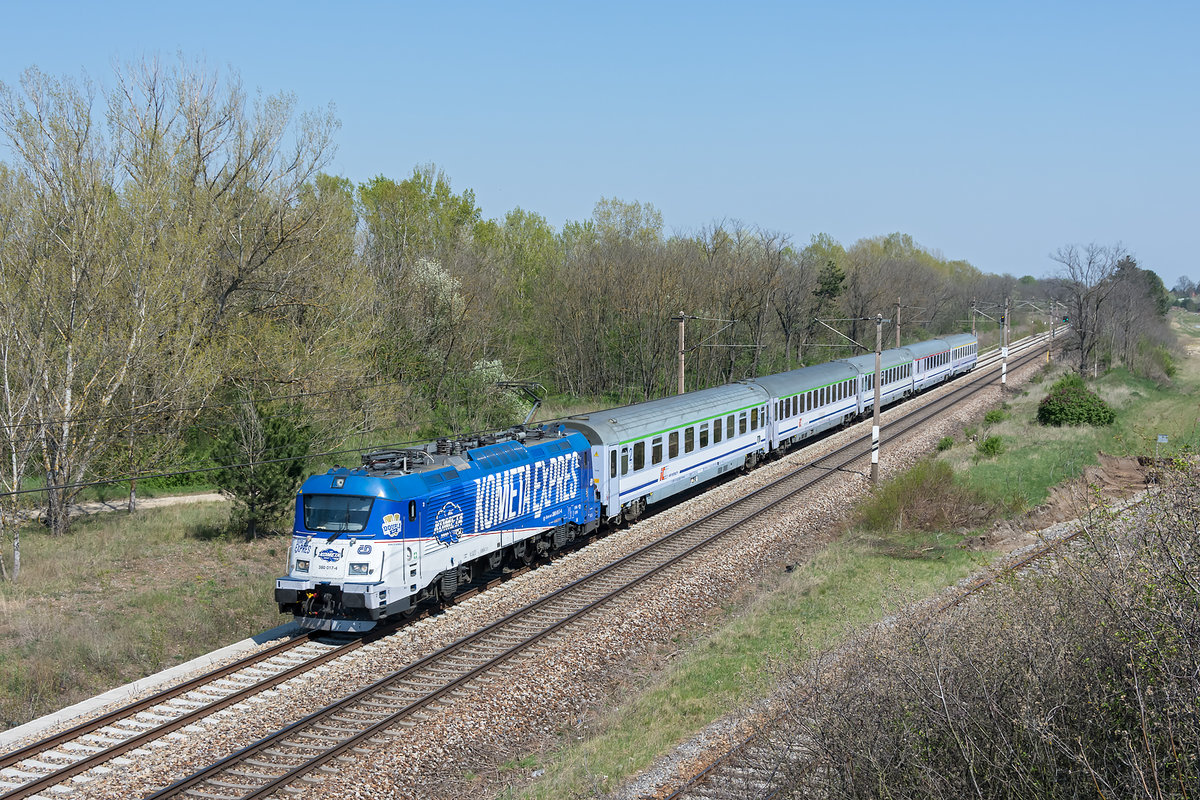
[
  {"x": 704, "y": 435},
  {"x": 689, "y": 440},
  {"x": 625, "y": 461},
  {"x": 729, "y": 427},
  {"x": 716, "y": 430},
  {"x": 639, "y": 456},
  {"x": 612, "y": 464},
  {"x": 754, "y": 419},
  {"x": 673, "y": 447},
  {"x": 742, "y": 423},
  {"x": 656, "y": 450}
]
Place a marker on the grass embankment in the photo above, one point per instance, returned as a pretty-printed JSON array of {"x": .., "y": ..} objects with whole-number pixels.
[
  {"x": 852, "y": 583},
  {"x": 904, "y": 544},
  {"x": 1037, "y": 458},
  {"x": 122, "y": 597}
]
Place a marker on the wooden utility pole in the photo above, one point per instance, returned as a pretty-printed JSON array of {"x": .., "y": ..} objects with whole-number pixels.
[{"x": 897, "y": 322}]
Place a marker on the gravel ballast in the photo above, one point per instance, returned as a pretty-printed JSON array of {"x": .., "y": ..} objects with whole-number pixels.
[{"x": 537, "y": 698}]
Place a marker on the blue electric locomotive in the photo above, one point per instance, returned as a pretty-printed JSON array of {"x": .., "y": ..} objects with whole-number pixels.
[{"x": 415, "y": 524}]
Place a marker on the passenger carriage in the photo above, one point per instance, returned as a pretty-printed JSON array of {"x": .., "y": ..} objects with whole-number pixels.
[
  {"x": 964, "y": 352},
  {"x": 896, "y": 377},
  {"x": 647, "y": 452},
  {"x": 809, "y": 400},
  {"x": 931, "y": 363}
]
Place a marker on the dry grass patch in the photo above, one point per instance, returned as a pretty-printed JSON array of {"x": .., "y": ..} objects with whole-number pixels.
[{"x": 122, "y": 597}]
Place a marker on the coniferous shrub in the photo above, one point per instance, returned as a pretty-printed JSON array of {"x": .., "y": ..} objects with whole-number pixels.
[
  {"x": 1070, "y": 402},
  {"x": 262, "y": 455}
]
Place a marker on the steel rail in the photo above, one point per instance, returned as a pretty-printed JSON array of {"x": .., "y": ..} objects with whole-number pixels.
[
  {"x": 86, "y": 763},
  {"x": 82, "y": 765},
  {"x": 379, "y": 722},
  {"x": 740, "y": 750}
]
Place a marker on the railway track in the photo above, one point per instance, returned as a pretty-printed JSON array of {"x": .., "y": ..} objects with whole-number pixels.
[
  {"x": 398, "y": 702},
  {"x": 768, "y": 760},
  {"x": 398, "y": 699},
  {"x": 58, "y": 758}
]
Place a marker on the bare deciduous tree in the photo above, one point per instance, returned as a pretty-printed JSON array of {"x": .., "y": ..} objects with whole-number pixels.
[{"x": 1086, "y": 281}]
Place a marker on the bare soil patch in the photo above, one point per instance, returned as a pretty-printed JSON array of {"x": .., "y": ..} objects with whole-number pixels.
[{"x": 1114, "y": 478}]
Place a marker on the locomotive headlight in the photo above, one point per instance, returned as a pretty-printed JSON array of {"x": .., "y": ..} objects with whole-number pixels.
[
  {"x": 359, "y": 569},
  {"x": 302, "y": 565}
]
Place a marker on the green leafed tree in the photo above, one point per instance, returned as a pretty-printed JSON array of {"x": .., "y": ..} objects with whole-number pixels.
[{"x": 163, "y": 235}]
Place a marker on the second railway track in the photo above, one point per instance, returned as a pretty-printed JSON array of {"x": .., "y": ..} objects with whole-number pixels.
[
  {"x": 344, "y": 726},
  {"x": 348, "y": 726}
]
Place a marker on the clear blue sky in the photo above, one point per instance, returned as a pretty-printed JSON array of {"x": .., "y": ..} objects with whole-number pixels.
[{"x": 991, "y": 132}]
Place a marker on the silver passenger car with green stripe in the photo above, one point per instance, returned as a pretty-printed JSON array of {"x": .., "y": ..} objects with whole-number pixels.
[
  {"x": 646, "y": 452},
  {"x": 811, "y": 400},
  {"x": 896, "y": 383}
]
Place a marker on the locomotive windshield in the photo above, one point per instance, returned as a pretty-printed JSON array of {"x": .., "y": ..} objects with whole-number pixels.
[{"x": 336, "y": 513}]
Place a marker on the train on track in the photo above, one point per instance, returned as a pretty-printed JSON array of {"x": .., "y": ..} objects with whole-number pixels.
[{"x": 413, "y": 525}]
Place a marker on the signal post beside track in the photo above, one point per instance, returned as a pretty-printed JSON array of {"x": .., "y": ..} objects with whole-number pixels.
[{"x": 879, "y": 320}]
